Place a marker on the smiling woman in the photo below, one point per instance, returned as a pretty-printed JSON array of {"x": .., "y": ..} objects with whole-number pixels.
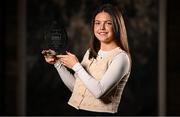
[
  {"x": 101, "y": 76},
  {"x": 103, "y": 29},
  {"x": 44, "y": 93}
]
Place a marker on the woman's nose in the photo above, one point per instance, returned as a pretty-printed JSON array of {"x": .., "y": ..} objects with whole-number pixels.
[{"x": 102, "y": 26}]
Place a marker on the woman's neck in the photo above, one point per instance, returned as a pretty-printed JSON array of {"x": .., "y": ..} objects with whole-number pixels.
[{"x": 108, "y": 47}]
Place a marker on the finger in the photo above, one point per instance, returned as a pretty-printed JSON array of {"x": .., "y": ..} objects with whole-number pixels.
[
  {"x": 64, "y": 60},
  {"x": 69, "y": 53},
  {"x": 61, "y": 56},
  {"x": 64, "y": 63}
]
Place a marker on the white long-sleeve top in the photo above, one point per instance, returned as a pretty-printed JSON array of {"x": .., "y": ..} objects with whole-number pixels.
[{"x": 117, "y": 69}]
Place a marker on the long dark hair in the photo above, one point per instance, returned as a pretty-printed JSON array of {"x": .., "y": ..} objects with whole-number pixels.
[{"x": 119, "y": 29}]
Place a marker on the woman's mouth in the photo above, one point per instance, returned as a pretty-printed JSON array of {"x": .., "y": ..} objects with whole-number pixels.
[{"x": 103, "y": 33}]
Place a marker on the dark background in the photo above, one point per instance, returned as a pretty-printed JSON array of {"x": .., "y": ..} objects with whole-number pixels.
[{"x": 44, "y": 92}]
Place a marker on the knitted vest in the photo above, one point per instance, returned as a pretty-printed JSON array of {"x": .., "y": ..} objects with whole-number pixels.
[{"x": 82, "y": 98}]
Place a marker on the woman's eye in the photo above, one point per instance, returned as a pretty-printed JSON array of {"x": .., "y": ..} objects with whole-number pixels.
[
  {"x": 109, "y": 23},
  {"x": 97, "y": 23}
]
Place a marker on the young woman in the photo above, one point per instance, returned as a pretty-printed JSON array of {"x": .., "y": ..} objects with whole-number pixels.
[{"x": 99, "y": 80}]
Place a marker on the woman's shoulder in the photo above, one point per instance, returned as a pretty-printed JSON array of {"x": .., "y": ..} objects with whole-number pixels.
[
  {"x": 122, "y": 55},
  {"x": 122, "y": 58}
]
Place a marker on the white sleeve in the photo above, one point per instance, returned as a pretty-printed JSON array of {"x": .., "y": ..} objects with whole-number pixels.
[
  {"x": 117, "y": 69},
  {"x": 66, "y": 76}
]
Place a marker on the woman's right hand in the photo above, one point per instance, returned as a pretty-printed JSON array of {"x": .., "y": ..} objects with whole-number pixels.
[{"x": 49, "y": 56}]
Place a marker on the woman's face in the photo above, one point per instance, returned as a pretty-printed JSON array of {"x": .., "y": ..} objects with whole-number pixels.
[{"x": 103, "y": 27}]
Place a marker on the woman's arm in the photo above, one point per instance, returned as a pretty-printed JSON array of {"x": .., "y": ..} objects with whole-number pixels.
[
  {"x": 66, "y": 76},
  {"x": 117, "y": 69}
]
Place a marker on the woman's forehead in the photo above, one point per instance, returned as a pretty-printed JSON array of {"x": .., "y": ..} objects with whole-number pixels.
[{"x": 103, "y": 15}]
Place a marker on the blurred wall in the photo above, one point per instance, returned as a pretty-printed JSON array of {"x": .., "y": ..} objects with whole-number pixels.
[
  {"x": 45, "y": 93},
  {"x": 173, "y": 66}
]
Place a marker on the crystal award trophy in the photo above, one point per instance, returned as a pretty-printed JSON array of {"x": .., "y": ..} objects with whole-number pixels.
[{"x": 55, "y": 40}]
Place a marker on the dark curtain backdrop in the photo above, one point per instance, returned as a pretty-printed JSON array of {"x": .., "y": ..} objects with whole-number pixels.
[{"x": 46, "y": 93}]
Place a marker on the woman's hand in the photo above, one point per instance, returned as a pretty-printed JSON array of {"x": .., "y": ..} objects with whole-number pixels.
[
  {"x": 69, "y": 60},
  {"x": 49, "y": 56}
]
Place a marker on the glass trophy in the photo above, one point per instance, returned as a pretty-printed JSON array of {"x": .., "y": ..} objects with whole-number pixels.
[{"x": 55, "y": 40}]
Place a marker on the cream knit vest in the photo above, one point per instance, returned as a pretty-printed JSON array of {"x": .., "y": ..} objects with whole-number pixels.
[{"x": 81, "y": 98}]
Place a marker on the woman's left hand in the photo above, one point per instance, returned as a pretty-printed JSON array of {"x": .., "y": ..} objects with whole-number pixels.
[{"x": 69, "y": 60}]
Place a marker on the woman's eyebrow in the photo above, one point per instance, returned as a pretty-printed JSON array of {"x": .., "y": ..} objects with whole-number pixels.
[{"x": 103, "y": 20}]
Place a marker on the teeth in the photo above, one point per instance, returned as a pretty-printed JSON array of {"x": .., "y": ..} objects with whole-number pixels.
[{"x": 102, "y": 33}]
